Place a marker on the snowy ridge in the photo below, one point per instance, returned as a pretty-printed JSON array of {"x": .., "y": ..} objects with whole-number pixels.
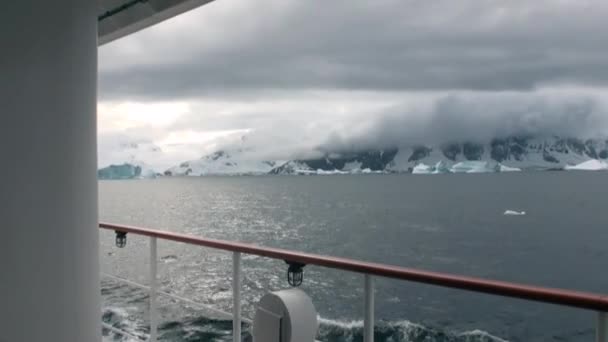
[{"x": 237, "y": 162}]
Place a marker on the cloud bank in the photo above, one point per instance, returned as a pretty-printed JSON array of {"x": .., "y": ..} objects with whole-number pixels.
[
  {"x": 299, "y": 77},
  {"x": 478, "y": 118}
]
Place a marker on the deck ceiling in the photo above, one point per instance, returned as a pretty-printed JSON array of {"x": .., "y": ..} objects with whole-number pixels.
[{"x": 119, "y": 18}]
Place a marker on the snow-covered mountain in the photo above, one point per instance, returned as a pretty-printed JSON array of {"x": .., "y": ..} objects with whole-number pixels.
[
  {"x": 513, "y": 153},
  {"x": 237, "y": 162},
  {"x": 339, "y": 163},
  {"x": 498, "y": 155}
]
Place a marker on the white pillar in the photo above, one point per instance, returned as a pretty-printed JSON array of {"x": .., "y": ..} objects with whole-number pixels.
[{"x": 49, "y": 282}]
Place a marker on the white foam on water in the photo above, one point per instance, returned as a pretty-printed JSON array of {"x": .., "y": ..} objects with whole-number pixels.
[
  {"x": 482, "y": 335},
  {"x": 403, "y": 330}
]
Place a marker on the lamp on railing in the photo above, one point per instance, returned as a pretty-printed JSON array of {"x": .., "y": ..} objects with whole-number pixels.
[
  {"x": 121, "y": 239},
  {"x": 295, "y": 273}
]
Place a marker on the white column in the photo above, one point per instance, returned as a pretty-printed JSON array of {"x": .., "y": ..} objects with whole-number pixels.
[
  {"x": 49, "y": 287},
  {"x": 153, "y": 289},
  {"x": 236, "y": 297}
]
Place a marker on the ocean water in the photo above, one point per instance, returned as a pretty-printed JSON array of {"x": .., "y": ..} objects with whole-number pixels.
[{"x": 449, "y": 223}]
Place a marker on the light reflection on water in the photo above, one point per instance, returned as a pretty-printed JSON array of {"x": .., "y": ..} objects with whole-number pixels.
[{"x": 451, "y": 223}]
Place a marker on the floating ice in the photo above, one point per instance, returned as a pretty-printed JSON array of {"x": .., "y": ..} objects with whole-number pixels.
[
  {"x": 514, "y": 213},
  {"x": 332, "y": 172},
  {"x": 589, "y": 165},
  {"x": 504, "y": 168}
]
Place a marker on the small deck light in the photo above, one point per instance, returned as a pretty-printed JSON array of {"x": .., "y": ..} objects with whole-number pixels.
[
  {"x": 295, "y": 273},
  {"x": 121, "y": 239}
]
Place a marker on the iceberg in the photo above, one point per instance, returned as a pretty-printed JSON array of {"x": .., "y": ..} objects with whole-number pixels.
[
  {"x": 125, "y": 171},
  {"x": 422, "y": 169},
  {"x": 590, "y": 165},
  {"x": 473, "y": 167},
  {"x": 504, "y": 168},
  {"x": 441, "y": 167},
  {"x": 368, "y": 171},
  {"x": 332, "y": 172}
]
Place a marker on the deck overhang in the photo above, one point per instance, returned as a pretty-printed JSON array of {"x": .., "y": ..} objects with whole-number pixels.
[{"x": 119, "y": 18}]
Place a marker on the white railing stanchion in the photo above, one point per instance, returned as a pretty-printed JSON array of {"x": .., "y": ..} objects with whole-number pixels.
[
  {"x": 601, "y": 332},
  {"x": 153, "y": 318},
  {"x": 368, "y": 321},
  {"x": 236, "y": 297}
]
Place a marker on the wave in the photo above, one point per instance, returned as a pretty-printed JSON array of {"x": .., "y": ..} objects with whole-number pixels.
[
  {"x": 121, "y": 319},
  {"x": 393, "y": 331},
  {"x": 330, "y": 330}
]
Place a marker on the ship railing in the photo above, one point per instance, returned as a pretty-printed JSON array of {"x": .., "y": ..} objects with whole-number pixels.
[{"x": 574, "y": 299}]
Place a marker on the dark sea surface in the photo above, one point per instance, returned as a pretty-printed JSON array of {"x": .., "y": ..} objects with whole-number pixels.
[{"x": 449, "y": 223}]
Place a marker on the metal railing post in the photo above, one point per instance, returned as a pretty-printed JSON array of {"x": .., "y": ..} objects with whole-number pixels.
[
  {"x": 601, "y": 332},
  {"x": 236, "y": 297},
  {"x": 153, "y": 259},
  {"x": 368, "y": 321}
]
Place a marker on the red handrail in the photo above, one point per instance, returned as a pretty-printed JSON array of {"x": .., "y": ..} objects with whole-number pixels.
[{"x": 570, "y": 298}]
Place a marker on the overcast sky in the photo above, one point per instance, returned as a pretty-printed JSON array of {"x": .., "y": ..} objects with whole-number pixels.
[{"x": 293, "y": 75}]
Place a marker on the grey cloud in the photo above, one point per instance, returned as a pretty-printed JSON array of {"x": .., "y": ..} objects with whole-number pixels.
[
  {"x": 288, "y": 131},
  {"x": 478, "y": 117},
  {"x": 232, "y": 48}
]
